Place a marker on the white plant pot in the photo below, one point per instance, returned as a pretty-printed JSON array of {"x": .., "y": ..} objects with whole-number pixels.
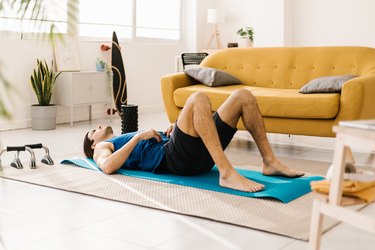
[
  {"x": 43, "y": 117},
  {"x": 245, "y": 43}
]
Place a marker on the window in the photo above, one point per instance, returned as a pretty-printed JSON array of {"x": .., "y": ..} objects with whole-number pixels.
[
  {"x": 130, "y": 18},
  {"x": 39, "y": 16},
  {"x": 96, "y": 18},
  {"x": 158, "y": 19},
  {"x": 100, "y": 18}
]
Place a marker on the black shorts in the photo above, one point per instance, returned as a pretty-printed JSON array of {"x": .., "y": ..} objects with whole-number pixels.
[{"x": 187, "y": 155}]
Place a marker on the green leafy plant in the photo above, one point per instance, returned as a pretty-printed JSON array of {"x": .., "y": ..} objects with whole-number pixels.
[
  {"x": 247, "y": 33},
  {"x": 43, "y": 81}
]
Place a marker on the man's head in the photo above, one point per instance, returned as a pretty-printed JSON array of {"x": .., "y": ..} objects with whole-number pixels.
[{"x": 95, "y": 136}]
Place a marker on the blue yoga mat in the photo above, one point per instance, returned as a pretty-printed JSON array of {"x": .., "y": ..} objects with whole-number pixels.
[{"x": 282, "y": 188}]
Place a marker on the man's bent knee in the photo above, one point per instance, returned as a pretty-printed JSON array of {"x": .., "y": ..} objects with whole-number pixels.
[
  {"x": 199, "y": 98},
  {"x": 245, "y": 96}
]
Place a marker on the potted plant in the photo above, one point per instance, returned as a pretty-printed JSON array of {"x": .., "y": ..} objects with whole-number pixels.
[
  {"x": 43, "y": 115},
  {"x": 247, "y": 37}
]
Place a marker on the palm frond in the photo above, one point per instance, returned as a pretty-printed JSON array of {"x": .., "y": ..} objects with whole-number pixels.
[{"x": 7, "y": 86}]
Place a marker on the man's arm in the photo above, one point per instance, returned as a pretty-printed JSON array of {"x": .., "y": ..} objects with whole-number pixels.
[{"x": 110, "y": 161}]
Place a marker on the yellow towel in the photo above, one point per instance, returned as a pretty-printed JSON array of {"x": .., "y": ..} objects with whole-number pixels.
[{"x": 362, "y": 190}]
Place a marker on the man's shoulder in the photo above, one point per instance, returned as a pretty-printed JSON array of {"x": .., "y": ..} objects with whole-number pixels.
[{"x": 104, "y": 145}]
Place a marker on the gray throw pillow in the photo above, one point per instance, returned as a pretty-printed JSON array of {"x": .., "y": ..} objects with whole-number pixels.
[
  {"x": 211, "y": 77},
  {"x": 326, "y": 84}
]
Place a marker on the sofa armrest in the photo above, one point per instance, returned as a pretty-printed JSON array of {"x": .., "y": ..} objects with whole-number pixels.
[
  {"x": 357, "y": 99},
  {"x": 169, "y": 83}
]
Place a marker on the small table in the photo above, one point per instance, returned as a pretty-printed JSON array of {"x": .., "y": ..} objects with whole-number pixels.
[{"x": 359, "y": 134}]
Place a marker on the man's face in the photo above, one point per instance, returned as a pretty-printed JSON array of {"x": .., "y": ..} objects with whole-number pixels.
[{"x": 99, "y": 134}]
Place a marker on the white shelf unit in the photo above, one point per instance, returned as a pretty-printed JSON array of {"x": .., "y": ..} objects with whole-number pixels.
[{"x": 83, "y": 88}]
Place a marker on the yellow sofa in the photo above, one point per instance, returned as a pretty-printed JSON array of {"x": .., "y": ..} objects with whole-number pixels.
[{"x": 275, "y": 75}]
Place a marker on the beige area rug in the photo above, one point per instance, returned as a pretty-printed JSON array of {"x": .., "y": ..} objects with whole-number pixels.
[{"x": 291, "y": 219}]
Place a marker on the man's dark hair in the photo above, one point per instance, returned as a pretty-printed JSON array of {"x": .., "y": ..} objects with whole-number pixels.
[{"x": 87, "y": 143}]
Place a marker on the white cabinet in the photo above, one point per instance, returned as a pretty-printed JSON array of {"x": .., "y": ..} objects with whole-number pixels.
[{"x": 82, "y": 88}]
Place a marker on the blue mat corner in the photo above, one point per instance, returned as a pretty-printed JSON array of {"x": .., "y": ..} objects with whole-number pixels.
[{"x": 278, "y": 187}]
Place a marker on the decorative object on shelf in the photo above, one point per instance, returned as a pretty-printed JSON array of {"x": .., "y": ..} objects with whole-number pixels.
[
  {"x": 215, "y": 16},
  {"x": 101, "y": 65},
  {"x": 232, "y": 45},
  {"x": 43, "y": 115},
  {"x": 119, "y": 77},
  {"x": 104, "y": 47},
  {"x": 66, "y": 53},
  {"x": 247, "y": 37},
  {"x": 129, "y": 118}
]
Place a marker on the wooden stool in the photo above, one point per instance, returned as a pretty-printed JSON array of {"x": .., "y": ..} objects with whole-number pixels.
[{"x": 359, "y": 134}]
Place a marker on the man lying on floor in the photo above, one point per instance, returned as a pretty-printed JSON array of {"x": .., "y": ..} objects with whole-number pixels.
[{"x": 192, "y": 146}]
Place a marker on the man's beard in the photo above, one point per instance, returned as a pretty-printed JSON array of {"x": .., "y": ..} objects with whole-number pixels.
[{"x": 108, "y": 130}]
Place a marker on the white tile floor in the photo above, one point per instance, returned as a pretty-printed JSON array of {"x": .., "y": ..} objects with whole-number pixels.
[{"x": 34, "y": 217}]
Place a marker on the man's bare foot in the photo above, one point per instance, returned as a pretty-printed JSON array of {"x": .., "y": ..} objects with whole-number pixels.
[
  {"x": 277, "y": 168},
  {"x": 234, "y": 180}
]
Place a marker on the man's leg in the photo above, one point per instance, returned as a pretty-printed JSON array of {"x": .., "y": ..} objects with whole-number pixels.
[
  {"x": 243, "y": 104},
  {"x": 196, "y": 120}
]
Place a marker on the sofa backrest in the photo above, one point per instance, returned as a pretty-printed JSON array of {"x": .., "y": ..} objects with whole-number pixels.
[{"x": 291, "y": 67}]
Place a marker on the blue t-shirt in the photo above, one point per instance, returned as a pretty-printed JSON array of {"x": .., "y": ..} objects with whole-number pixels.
[{"x": 147, "y": 154}]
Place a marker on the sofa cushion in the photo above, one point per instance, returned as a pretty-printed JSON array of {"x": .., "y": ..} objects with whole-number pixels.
[
  {"x": 286, "y": 103},
  {"x": 326, "y": 84},
  {"x": 212, "y": 77}
]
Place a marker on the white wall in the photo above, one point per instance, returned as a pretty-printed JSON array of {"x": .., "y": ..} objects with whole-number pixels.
[
  {"x": 333, "y": 22},
  {"x": 266, "y": 17},
  {"x": 293, "y": 22}
]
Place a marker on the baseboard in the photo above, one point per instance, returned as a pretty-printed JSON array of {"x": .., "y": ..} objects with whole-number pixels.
[{"x": 15, "y": 124}]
